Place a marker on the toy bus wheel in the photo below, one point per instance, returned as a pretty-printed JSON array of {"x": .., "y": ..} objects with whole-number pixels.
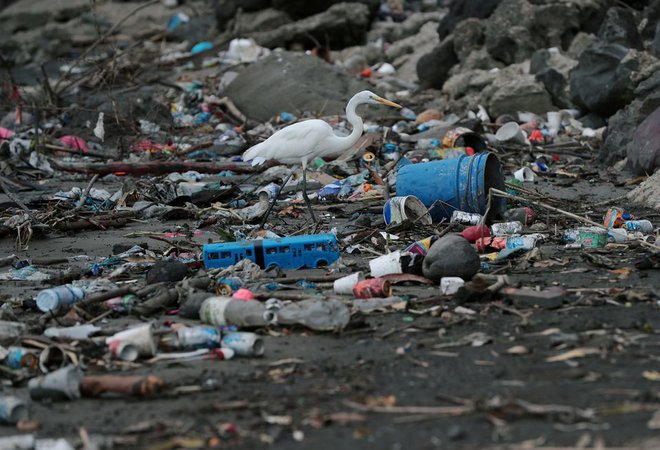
[
  {"x": 321, "y": 263},
  {"x": 273, "y": 266}
]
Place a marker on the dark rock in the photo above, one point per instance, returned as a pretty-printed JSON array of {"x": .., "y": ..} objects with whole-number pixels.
[
  {"x": 451, "y": 256},
  {"x": 555, "y": 83},
  {"x": 468, "y": 36},
  {"x": 21, "y": 16},
  {"x": 225, "y": 10},
  {"x": 619, "y": 28},
  {"x": 463, "y": 9},
  {"x": 656, "y": 41},
  {"x": 196, "y": 30},
  {"x": 622, "y": 125},
  {"x": 433, "y": 68},
  {"x": 644, "y": 151},
  {"x": 539, "y": 61},
  {"x": 299, "y": 9},
  {"x": 602, "y": 81},
  {"x": 340, "y": 26},
  {"x": 593, "y": 121},
  {"x": 167, "y": 271},
  {"x": 650, "y": 20},
  {"x": 508, "y": 38},
  {"x": 303, "y": 83},
  {"x": 263, "y": 20}
]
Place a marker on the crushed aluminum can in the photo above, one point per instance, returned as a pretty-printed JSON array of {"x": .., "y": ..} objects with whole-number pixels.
[
  {"x": 465, "y": 218},
  {"x": 18, "y": 357},
  {"x": 373, "y": 287},
  {"x": 268, "y": 192},
  {"x": 506, "y": 228}
]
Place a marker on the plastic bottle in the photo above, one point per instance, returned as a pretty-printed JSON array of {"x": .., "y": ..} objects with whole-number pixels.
[
  {"x": 56, "y": 298},
  {"x": 197, "y": 337},
  {"x": 644, "y": 226},
  {"x": 320, "y": 315},
  {"x": 220, "y": 311}
]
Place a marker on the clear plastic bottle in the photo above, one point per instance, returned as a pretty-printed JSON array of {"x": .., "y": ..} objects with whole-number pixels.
[
  {"x": 320, "y": 315},
  {"x": 56, "y": 298}
]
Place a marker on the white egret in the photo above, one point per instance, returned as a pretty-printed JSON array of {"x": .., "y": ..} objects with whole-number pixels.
[{"x": 304, "y": 141}]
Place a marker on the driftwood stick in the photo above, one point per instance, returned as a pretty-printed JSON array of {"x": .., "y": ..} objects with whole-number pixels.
[{"x": 160, "y": 167}]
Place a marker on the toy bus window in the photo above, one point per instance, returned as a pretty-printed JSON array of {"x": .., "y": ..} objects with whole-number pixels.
[
  {"x": 285, "y": 249},
  {"x": 224, "y": 255},
  {"x": 248, "y": 252},
  {"x": 321, "y": 247},
  {"x": 271, "y": 250},
  {"x": 212, "y": 255},
  {"x": 309, "y": 247}
]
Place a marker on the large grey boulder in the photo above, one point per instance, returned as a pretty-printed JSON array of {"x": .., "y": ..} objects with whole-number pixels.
[
  {"x": 286, "y": 81},
  {"x": 27, "y": 15},
  {"x": 646, "y": 194},
  {"x": 451, "y": 256},
  {"x": 341, "y": 25},
  {"x": 644, "y": 151},
  {"x": 464, "y": 9},
  {"x": 520, "y": 94}
]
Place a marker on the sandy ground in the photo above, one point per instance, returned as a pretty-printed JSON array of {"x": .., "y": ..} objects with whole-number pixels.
[{"x": 307, "y": 390}]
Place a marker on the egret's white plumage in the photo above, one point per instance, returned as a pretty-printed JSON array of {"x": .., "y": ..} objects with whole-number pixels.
[{"x": 303, "y": 141}]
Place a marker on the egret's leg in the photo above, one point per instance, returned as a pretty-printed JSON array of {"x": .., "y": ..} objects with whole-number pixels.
[
  {"x": 277, "y": 195},
  {"x": 304, "y": 192}
]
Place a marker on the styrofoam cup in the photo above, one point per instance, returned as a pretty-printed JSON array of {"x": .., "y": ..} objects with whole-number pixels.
[
  {"x": 123, "y": 350},
  {"x": 345, "y": 285},
  {"x": 386, "y": 264},
  {"x": 524, "y": 174},
  {"x": 62, "y": 384}
]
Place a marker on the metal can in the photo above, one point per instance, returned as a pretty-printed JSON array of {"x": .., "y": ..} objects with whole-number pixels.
[
  {"x": 587, "y": 236},
  {"x": 227, "y": 286},
  {"x": 12, "y": 409},
  {"x": 523, "y": 242},
  {"x": 465, "y": 218},
  {"x": 373, "y": 287},
  {"x": 268, "y": 192},
  {"x": 18, "y": 357},
  {"x": 506, "y": 228},
  {"x": 198, "y": 337}
]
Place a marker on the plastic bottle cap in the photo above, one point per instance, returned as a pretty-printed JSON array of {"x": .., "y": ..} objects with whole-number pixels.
[{"x": 47, "y": 300}]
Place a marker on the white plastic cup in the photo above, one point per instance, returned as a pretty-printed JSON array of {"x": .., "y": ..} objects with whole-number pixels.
[
  {"x": 451, "y": 285},
  {"x": 386, "y": 264},
  {"x": 62, "y": 384},
  {"x": 12, "y": 409},
  {"x": 524, "y": 174},
  {"x": 554, "y": 122},
  {"x": 123, "y": 350},
  {"x": 511, "y": 132},
  {"x": 244, "y": 344},
  {"x": 141, "y": 337},
  {"x": 56, "y": 298},
  {"x": 345, "y": 285}
]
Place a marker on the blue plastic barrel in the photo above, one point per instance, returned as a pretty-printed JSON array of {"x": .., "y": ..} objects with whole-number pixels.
[{"x": 454, "y": 184}]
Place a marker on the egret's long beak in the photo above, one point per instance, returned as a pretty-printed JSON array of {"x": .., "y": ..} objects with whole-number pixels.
[{"x": 386, "y": 102}]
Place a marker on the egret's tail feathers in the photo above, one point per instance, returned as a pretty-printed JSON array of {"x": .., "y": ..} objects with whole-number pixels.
[{"x": 252, "y": 154}]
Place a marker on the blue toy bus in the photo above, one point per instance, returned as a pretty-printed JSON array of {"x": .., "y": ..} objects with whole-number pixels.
[{"x": 296, "y": 252}]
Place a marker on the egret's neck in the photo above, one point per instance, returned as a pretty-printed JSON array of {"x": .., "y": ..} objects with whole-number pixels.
[{"x": 355, "y": 121}]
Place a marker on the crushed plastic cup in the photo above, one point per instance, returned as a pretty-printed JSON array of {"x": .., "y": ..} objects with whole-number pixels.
[
  {"x": 62, "y": 384},
  {"x": 52, "y": 358},
  {"x": 386, "y": 264},
  {"x": 244, "y": 344},
  {"x": 345, "y": 285}
]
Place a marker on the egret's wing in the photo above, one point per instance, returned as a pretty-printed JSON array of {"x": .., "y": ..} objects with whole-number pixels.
[{"x": 291, "y": 144}]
